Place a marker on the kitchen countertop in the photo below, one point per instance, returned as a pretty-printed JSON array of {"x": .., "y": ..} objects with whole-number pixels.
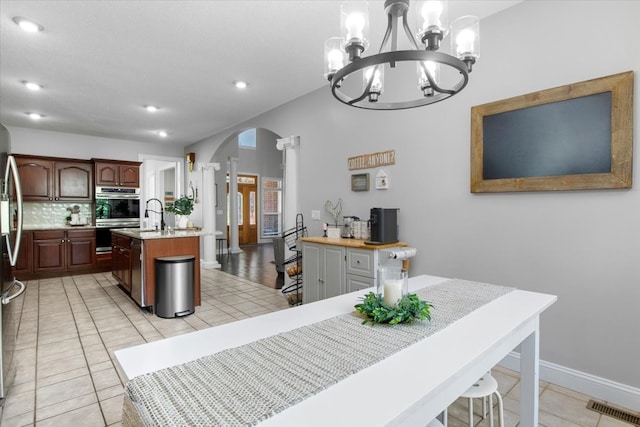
[
  {"x": 56, "y": 227},
  {"x": 153, "y": 234},
  {"x": 350, "y": 243}
]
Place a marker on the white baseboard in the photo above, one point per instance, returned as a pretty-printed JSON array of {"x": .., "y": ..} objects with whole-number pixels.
[{"x": 599, "y": 388}]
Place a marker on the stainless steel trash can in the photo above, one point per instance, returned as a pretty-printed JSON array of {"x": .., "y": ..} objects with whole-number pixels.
[{"x": 174, "y": 286}]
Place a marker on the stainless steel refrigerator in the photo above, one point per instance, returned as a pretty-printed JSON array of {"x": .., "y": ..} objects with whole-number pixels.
[{"x": 11, "y": 227}]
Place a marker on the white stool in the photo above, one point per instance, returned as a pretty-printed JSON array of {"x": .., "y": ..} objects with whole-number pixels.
[{"x": 485, "y": 387}]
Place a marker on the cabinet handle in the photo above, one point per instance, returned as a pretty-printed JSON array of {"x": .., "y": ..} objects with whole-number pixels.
[
  {"x": 357, "y": 261},
  {"x": 62, "y": 240}
]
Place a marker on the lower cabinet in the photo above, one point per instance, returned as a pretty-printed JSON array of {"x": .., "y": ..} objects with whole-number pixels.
[
  {"x": 81, "y": 249},
  {"x": 331, "y": 269},
  {"x": 121, "y": 260},
  {"x": 55, "y": 251},
  {"x": 323, "y": 267},
  {"x": 60, "y": 250},
  {"x": 24, "y": 263}
]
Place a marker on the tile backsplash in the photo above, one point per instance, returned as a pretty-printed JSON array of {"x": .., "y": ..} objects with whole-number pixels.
[{"x": 46, "y": 214}]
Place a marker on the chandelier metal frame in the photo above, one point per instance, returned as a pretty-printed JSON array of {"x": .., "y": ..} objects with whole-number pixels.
[{"x": 396, "y": 10}]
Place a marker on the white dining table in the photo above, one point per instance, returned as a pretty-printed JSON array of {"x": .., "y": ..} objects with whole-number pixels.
[{"x": 408, "y": 388}]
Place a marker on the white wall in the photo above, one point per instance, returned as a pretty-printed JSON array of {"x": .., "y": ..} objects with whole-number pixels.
[
  {"x": 583, "y": 246},
  {"x": 59, "y": 144}
]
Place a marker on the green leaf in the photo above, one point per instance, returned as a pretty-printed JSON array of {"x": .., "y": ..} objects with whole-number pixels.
[{"x": 408, "y": 309}]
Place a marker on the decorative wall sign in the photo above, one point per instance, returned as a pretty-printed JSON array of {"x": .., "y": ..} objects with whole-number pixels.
[
  {"x": 382, "y": 180},
  {"x": 373, "y": 160},
  {"x": 360, "y": 182}
]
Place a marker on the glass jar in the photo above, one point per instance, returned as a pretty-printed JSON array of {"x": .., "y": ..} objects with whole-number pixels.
[{"x": 392, "y": 284}]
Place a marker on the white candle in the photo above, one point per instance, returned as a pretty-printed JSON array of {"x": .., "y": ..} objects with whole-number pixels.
[{"x": 392, "y": 291}]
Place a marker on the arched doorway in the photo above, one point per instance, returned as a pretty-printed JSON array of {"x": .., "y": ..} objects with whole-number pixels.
[{"x": 251, "y": 166}]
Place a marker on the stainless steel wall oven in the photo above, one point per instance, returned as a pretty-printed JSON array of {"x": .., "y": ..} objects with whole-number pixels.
[{"x": 115, "y": 208}]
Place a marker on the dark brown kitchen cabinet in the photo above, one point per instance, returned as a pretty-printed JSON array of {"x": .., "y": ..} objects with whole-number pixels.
[
  {"x": 121, "y": 260},
  {"x": 116, "y": 173},
  {"x": 49, "y": 250},
  {"x": 24, "y": 263},
  {"x": 46, "y": 179},
  {"x": 81, "y": 249},
  {"x": 66, "y": 251}
]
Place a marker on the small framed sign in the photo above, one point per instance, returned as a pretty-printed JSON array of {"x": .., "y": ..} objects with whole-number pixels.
[{"x": 360, "y": 182}]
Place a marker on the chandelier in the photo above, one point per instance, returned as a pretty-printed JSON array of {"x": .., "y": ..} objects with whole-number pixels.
[{"x": 424, "y": 75}]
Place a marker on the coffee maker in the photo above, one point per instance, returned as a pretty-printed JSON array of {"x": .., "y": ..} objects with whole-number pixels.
[
  {"x": 384, "y": 226},
  {"x": 346, "y": 226}
]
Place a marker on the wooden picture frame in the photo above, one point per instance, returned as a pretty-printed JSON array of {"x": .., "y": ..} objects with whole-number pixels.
[
  {"x": 614, "y": 92},
  {"x": 360, "y": 182}
]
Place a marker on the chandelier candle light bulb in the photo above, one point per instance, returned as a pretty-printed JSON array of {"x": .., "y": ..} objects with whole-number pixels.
[{"x": 433, "y": 26}]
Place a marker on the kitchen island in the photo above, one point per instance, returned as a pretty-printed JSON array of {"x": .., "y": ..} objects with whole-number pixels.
[{"x": 134, "y": 252}]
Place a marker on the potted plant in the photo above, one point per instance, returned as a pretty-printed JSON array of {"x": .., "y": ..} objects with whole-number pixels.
[{"x": 182, "y": 208}]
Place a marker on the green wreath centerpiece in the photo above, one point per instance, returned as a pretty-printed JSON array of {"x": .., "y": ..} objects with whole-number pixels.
[{"x": 408, "y": 309}]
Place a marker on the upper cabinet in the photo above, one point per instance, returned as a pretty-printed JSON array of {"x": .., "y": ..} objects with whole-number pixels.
[
  {"x": 114, "y": 173},
  {"x": 52, "y": 179}
]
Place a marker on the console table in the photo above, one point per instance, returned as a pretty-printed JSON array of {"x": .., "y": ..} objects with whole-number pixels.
[{"x": 437, "y": 369}]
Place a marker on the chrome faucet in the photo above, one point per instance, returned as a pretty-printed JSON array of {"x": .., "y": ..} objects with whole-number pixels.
[{"x": 146, "y": 212}]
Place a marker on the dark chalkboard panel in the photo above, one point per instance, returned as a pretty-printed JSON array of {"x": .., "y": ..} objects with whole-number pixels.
[
  {"x": 577, "y": 136},
  {"x": 561, "y": 138}
]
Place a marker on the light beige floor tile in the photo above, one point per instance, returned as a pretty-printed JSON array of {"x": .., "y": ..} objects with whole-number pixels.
[
  {"x": 90, "y": 339},
  {"x": 112, "y": 409},
  {"x": 101, "y": 366},
  {"x": 59, "y": 392},
  {"x": 65, "y": 406},
  {"x": 22, "y": 420},
  {"x": 567, "y": 408},
  {"x": 19, "y": 404},
  {"x": 105, "y": 379},
  {"x": 110, "y": 392},
  {"x": 550, "y": 420},
  {"x": 606, "y": 421},
  {"x": 64, "y": 376},
  {"x": 58, "y": 366},
  {"x": 88, "y": 416},
  {"x": 96, "y": 354}
]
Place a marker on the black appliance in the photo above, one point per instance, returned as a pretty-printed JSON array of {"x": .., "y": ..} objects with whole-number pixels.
[
  {"x": 384, "y": 226},
  {"x": 115, "y": 208}
]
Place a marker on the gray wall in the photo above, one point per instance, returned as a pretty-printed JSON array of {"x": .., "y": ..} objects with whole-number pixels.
[
  {"x": 583, "y": 246},
  {"x": 59, "y": 144}
]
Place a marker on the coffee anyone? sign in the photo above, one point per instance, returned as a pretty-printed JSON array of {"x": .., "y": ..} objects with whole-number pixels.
[{"x": 373, "y": 160}]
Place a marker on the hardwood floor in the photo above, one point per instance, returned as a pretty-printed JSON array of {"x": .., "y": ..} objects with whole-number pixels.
[{"x": 255, "y": 263}]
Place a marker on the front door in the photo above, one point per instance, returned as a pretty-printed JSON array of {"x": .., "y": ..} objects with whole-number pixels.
[{"x": 247, "y": 210}]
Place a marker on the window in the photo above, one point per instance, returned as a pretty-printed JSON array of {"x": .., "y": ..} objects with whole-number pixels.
[
  {"x": 271, "y": 207},
  {"x": 247, "y": 139}
]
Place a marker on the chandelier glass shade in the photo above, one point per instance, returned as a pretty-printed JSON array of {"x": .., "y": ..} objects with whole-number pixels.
[{"x": 415, "y": 76}]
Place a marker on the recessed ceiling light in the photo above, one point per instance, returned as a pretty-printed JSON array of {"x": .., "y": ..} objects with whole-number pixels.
[
  {"x": 27, "y": 25},
  {"x": 162, "y": 134},
  {"x": 35, "y": 116},
  {"x": 239, "y": 84},
  {"x": 151, "y": 108},
  {"x": 32, "y": 85}
]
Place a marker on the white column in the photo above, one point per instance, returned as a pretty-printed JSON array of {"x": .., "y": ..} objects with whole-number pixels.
[
  {"x": 290, "y": 148},
  {"x": 209, "y": 259},
  {"x": 234, "y": 246}
]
